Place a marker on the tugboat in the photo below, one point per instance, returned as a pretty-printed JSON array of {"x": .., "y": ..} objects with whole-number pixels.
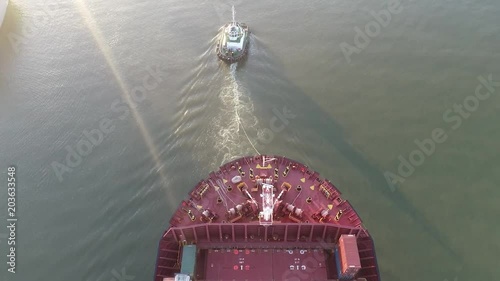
[
  {"x": 233, "y": 41},
  {"x": 3, "y": 9},
  {"x": 265, "y": 218}
]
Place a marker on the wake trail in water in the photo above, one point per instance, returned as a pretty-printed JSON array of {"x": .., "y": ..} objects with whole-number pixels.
[{"x": 238, "y": 109}]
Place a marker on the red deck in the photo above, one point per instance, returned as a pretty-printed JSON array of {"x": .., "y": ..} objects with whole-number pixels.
[
  {"x": 265, "y": 264},
  {"x": 243, "y": 236}
]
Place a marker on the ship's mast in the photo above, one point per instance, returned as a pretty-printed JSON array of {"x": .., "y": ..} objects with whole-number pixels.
[
  {"x": 264, "y": 160},
  {"x": 234, "y": 14}
]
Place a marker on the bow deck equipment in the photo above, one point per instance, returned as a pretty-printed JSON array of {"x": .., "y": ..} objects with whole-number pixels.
[{"x": 265, "y": 218}]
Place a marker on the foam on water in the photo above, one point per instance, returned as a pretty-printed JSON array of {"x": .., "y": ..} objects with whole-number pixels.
[{"x": 237, "y": 116}]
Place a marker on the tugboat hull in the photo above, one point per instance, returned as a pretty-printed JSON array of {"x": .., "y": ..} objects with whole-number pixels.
[{"x": 233, "y": 48}]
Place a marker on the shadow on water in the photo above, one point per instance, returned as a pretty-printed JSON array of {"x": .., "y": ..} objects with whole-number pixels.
[
  {"x": 10, "y": 26},
  {"x": 286, "y": 93}
]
